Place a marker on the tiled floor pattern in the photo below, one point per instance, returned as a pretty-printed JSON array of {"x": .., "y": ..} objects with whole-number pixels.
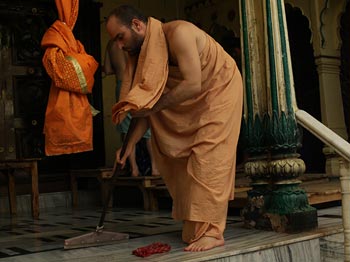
[
  {"x": 23, "y": 235},
  {"x": 23, "y": 239}
]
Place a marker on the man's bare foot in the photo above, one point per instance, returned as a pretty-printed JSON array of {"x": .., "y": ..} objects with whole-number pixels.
[
  {"x": 155, "y": 172},
  {"x": 204, "y": 243},
  {"x": 135, "y": 172}
]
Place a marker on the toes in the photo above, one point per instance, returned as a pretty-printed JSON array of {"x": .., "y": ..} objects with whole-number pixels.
[
  {"x": 189, "y": 247},
  {"x": 203, "y": 244}
]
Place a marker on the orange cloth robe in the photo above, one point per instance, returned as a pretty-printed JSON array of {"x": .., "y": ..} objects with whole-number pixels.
[
  {"x": 194, "y": 143},
  {"x": 68, "y": 119}
]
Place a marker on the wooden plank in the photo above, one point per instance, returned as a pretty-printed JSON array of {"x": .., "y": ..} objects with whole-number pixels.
[
  {"x": 320, "y": 190},
  {"x": 242, "y": 189},
  {"x": 319, "y": 199}
]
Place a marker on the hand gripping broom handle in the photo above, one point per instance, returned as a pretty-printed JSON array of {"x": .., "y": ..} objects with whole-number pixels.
[{"x": 116, "y": 173}]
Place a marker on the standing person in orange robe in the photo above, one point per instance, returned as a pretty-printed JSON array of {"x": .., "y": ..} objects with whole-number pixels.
[
  {"x": 183, "y": 85},
  {"x": 68, "y": 118},
  {"x": 115, "y": 62}
]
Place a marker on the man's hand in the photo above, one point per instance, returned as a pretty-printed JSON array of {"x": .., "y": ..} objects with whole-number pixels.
[
  {"x": 122, "y": 160},
  {"x": 118, "y": 160}
]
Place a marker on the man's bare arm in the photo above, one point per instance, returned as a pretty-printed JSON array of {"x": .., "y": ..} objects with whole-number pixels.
[
  {"x": 183, "y": 46},
  {"x": 138, "y": 132},
  {"x": 140, "y": 129}
]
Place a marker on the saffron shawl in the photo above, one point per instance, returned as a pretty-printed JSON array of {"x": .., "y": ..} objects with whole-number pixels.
[{"x": 144, "y": 84}]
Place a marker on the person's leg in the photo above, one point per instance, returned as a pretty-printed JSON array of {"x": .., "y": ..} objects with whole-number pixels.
[
  {"x": 203, "y": 236},
  {"x": 155, "y": 171},
  {"x": 133, "y": 163},
  {"x": 132, "y": 159}
]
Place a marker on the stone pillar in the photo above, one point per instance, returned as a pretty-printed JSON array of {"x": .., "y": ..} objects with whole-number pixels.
[
  {"x": 255, "y": 107},
  {"x": 326, "y": 41},
  {"x": 332, "y": 113},
  {"x": 270, "y": 130}
]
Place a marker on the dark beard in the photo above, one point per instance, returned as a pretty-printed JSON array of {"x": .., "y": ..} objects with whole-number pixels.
[
  {"x": 134, "y": 51},
  {"x": 136, "y": 48}
]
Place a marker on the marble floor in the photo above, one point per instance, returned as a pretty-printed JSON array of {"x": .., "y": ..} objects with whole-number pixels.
[{"x": 27, "y": 240}]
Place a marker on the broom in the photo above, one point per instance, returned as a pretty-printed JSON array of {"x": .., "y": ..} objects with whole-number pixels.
[{"x": 101, "y": 237}]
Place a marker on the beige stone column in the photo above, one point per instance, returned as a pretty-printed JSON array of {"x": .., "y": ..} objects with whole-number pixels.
[
  {"x": 331, "y": 106},
  {"x": 330, "y": 94},
  {"x": 326, "y": 41}
]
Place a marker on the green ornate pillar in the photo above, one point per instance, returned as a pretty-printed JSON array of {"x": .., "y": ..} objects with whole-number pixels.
[{"x": 270, "y": 131}]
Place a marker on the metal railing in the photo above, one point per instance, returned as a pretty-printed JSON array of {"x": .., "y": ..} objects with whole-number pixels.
[{"x": 342, "y": 147}]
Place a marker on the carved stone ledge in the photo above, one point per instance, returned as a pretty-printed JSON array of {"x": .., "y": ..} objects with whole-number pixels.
[
  {"x": 257, "y": 169},
  {"x": 286, "y": 168}
]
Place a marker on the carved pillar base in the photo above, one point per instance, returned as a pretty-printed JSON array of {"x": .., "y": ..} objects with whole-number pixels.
[
  {"x": 258, "y": 197},
  {"x": 293, "y": 222},
  {"x": 289, "y": 210},
  {"x": 253, "y": 213},
  {"x": 276, "y": 201}
]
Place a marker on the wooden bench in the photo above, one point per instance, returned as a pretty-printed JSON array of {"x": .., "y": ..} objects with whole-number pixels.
[
  {"x": 31, "y": 165},
  {"x": 86, "y": 173},
  {"x": 144, "y": 183}
]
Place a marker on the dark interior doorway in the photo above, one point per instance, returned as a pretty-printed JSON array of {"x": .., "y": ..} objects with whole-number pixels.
[{"x": 306, "y": 85}]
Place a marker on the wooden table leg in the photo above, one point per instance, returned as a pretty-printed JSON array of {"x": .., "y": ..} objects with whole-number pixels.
[
  {"x": 74, "y": 188},
  {"x": 146, "y": 200},
  {"x": 153, "y": 200},
  {"x": 12, "y": 192},
  {"x": 35, "y": 190}
]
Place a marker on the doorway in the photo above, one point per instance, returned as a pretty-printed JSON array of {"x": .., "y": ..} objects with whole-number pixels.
[{"x": 306, "y": 85}]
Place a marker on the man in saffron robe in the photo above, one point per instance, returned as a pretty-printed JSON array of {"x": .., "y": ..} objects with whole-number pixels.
[{"x": 183, "y": 85}]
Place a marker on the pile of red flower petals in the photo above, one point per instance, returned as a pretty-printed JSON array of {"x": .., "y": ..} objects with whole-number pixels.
[{"x": 153, "y": 248}]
